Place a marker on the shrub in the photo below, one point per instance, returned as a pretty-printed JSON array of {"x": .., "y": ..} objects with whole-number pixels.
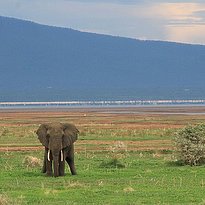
[
  {"x": 190, "y": 144},
  {"x": 113, "y": 163}
]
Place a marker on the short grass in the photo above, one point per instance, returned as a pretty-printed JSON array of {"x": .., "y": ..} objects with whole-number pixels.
[
  {"x": 18, "y": 136},
  {"x": 25, "y": 136},
  {"x": 144, "y": 178}
]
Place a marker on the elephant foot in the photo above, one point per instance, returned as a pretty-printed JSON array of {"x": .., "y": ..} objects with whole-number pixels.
[
  {"x": 43, "y": 171},
  {"x": 73, "y": 170},
  {"x": 49, "y": 174},
  {"x": 73, "y": 173}
]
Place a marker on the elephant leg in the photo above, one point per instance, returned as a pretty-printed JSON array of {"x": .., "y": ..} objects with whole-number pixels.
[
  {"x": 44, "y": 160},
  {"x": 71, "y": 164},
  {"x": 62, "y": 168},
  {"x": 70, "y": 159},
  {"x": 49, "y": 168}
]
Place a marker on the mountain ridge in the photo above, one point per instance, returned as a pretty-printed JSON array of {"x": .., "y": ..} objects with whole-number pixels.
[{"x": 39, "y": 62}]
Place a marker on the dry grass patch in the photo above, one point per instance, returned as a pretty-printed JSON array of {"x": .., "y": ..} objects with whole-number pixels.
[
  {"x": 51, "y": 192},
  {"x": 4, "y": 200},
  {"x": 31, "y": 162},
  {"x": 128, "y": 189}
]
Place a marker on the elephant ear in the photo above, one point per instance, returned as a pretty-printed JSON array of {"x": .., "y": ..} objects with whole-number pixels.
[
  {"x": 42, "y": 134},
  {"x": 70, "y": 134}
]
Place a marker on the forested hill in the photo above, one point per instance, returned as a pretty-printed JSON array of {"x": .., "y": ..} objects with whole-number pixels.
[{"x": 39, "y": 62}]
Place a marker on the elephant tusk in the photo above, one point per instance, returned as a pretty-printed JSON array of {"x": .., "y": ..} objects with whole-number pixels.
[
  {"x": 49, "y": 156},
  {"x": 61, "y": 155}
]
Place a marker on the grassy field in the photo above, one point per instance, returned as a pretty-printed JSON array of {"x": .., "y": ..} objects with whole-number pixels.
[{"x": 121, "y": 158}]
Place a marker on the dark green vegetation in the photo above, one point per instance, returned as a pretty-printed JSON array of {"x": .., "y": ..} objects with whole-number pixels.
[
  {"x": 115, "y": 164},
  {"x": 44, "y": 63}
]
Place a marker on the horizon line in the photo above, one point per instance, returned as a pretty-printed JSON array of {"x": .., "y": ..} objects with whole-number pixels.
[{"x": 99, "y": 102}]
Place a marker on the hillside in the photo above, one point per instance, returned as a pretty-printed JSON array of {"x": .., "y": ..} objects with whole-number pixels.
[{"x": 39, "y": 63}]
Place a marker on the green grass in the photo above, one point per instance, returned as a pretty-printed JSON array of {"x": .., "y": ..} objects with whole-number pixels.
[
  {"x": 127, "y": 134},
  {"x": 106, "y": 177},
  {"x": 144, "y": 178},
  {"x": 25, "y": 136}
]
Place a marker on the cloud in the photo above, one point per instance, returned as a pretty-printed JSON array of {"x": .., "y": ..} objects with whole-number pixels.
[
  {"x": 200, "y": 14},
  {"x": 185, "y": 22},
  {"x": 181, "y": 22},
  {"x": 176, "y": 12},
  {"x": 145, "y": 19},
  {"x": 188, "y": 34},
  {"x": 136, "y": 1}
]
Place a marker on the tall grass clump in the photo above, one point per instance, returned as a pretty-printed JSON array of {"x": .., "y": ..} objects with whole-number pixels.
[
  {"x": 117, "y": 151},
  {"x": 31, "y": 162},
  {"x": 190, "y": 145}
]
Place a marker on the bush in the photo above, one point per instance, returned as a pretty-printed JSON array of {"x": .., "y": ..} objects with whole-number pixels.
[
  {"x": 190, "y": 144},
  {"x": 113, "y": 163}
]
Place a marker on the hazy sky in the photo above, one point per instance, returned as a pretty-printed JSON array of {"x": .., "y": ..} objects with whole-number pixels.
[{"x": 170, "y": 20}]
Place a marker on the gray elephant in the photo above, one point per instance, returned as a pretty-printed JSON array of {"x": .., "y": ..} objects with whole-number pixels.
[{"x": 58, "y": 139}]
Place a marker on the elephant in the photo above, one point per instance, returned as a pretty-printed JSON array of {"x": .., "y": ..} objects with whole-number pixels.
[{"x": 58, "y": 139}]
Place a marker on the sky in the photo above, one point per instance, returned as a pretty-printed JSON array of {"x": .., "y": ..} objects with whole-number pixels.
[{"x": 168, "y": 20}]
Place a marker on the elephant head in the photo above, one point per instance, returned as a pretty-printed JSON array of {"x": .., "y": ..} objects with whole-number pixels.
[{"x": 55, "y": 137}]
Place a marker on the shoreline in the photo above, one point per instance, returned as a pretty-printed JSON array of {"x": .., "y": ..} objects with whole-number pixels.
[
  {"x": 102, "y": 103},
  {"x": 99, "y": 104},
  {"x": 123, "y": 110}
]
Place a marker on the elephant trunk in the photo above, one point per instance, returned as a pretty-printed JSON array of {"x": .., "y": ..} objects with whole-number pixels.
[
  {"x": 56, "y": 155},
  {"x": 56, "y": 165},
  {"x": 57, "y": 158}
]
